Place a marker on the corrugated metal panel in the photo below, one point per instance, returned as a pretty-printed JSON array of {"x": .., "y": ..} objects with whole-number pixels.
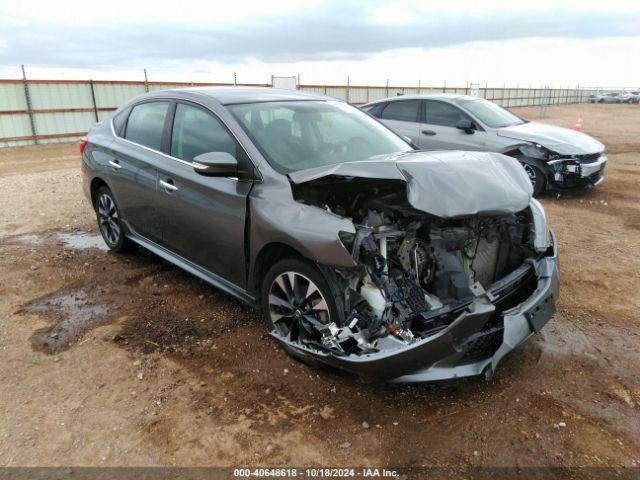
[
  {"x": 60, "y": 95},
  {"x": 12, "y": 97},
  {"x": 337, "y": 92},
  {"x": 72, "y": 122},
  {"x": 358, "y": 95},
  {"x": 377, "y": 94},
  {"x": 112, "y": 95},
  {"x": 14, "y": 126}
]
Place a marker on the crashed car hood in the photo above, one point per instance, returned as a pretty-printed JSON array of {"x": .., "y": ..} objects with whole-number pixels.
[
  {"x": 557, "y": 139},
  {"x": 444, "y": 184}
]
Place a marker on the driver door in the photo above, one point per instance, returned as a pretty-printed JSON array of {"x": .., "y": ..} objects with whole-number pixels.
[
  {"x": 202, "y": 218},
  {"x": 438, "y": 130}
]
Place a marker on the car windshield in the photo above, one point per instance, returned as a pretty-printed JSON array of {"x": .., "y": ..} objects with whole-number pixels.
[
  {"x": 490, "y": 114},
  {"x": 304, "y": 134}
]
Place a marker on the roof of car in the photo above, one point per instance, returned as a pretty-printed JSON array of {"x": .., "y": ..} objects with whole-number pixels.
[
  {"x": 438, "y": 96},
  {"x": 234, "y": 95}
]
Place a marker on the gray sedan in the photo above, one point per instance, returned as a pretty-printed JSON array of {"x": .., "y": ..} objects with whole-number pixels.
[
  {"x": 362, "y": 252},
  {"x": 553, "y": 157}
]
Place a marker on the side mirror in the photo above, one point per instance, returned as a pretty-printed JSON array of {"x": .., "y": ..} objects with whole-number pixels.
[
  {"x": 466, "y": 125},
  {"x": 216, "y": 164}
]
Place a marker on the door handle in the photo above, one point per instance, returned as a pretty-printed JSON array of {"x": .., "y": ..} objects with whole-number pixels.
[
  {"x": 115, "y": 164},
  {"x": 168, "y": 186},
  {"x": 428, "y": 132}
]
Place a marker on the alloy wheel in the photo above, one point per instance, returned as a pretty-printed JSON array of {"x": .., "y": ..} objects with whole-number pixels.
[
  {"x": 531, "y": 173},
  {"x": 296, "y": 306},
  {"x": 108, "y": 219}
]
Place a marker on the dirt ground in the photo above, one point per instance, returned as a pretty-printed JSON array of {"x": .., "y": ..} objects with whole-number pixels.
[{"x": 125, "y": 360}]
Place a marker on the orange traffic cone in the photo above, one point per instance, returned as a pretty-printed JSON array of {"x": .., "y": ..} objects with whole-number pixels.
[{"x": 578, "y": 127}]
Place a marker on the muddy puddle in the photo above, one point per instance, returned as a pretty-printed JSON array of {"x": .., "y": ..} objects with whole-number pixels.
[
  {"x": 68, "y": 240},
  {"x": 82, "y": 241},
  {"x": 74, "y": 314}
]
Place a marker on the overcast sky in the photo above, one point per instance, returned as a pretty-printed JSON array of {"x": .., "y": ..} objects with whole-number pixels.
[{"x": 552, "y": 42}]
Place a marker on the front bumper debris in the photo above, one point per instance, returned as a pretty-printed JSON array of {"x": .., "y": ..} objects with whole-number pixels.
[
  {"x": 570, "y": 173},
  {"x": 454, "y": 352}
]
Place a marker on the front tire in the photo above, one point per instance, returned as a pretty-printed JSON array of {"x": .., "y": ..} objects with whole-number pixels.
[
  {"x": 538, "y": 181},
  {"x": 110, "y": 221},
  {"x": 295, "y": 296}
]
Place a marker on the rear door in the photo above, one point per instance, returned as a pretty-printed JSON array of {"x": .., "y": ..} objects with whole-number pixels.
[
  {"x": 438, "y": 130},
  {"x": 136, "y": 152},
  {"x": 402, "y": 116},
  {"x": 203, "y": 218}
]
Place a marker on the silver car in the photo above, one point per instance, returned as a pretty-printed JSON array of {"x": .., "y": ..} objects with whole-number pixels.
[
  {"x": 612, "y": 97},
  {"x": 554, "y": 157}
]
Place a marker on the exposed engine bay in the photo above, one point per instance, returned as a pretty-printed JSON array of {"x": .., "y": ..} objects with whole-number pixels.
[{"x": 416, "y": 272}]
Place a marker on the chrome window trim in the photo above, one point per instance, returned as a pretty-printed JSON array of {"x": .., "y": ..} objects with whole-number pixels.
[{"x": 191, "y": 164}]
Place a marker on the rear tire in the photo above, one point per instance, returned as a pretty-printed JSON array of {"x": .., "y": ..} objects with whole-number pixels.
[
  {"x": 110, "y": 221},
  {"x": 294, "y": 290}
]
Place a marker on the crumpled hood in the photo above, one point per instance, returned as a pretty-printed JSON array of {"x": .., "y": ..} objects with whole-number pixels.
[
  {"x": 557, "y": 139},
  {"x": 445, "y": 184}
]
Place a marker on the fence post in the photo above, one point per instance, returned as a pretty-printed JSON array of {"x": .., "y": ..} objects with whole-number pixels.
[
  {"x": 348, "y": 89},
  {"x": 93, "y": 97},
  {"x": 27, "y": 97},
  {"x": 418, "y": 87},
  {"x": 386, "y": 90},
  {"x": 146, "y": 81},
  {"x": 444, "y": 88}
]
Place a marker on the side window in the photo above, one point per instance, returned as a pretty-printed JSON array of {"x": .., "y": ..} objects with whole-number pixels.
[
  {"x": 405, "y": 110},
  {"x": 196, "y": 131},
  {"x": 441, "y": 113},
  {"x": 146, "y": 124},
  {"x": 120, "y": 120},
  {"x": 375, "y": 109}
]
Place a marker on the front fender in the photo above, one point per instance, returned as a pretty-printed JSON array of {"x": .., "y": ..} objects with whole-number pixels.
[{"x": 275, "y": 216}]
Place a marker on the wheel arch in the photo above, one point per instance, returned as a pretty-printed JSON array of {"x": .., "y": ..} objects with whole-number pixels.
[
  {"x": 95, "y": 184},
  {"x": 268, "y": 255}
]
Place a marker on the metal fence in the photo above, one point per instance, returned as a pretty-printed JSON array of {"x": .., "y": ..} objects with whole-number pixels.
[{"x": 49, "y": 111}]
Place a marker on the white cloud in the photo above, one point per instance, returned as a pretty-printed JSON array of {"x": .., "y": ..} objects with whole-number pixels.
[
  {"x": 524, "y": 62},
  {"x": 195, "y": 12}
]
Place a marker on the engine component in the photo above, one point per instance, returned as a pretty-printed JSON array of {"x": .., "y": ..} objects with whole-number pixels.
[{"x": 372, "y": 294}]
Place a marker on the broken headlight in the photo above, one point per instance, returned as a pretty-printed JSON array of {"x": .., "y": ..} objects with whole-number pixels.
[{"x": 541, "y": 232}]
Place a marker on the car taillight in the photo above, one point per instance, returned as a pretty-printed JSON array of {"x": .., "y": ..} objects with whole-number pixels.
[{"x": 83, "y": 144}]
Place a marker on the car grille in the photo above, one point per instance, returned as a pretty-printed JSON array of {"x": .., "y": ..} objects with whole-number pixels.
[
  {"x": 484, "y": 344},
  {"x": 589, "y": 158}
]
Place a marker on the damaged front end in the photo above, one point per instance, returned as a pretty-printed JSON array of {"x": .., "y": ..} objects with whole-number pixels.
[
  {"x": 565, "y": 171},
  {"x": 430, "y": 296}
]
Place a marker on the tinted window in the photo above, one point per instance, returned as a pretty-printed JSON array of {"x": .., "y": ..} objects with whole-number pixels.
[
  {"x": 196, "y": 131},
  {"x": 440, "y": 113},
  {"x": 119, "y": 120},
  {"x": 375, "y": 110},
  {"x": 146, "y": 123},
  {"x": 306, "y": 134},
  {"x": 406, "y": 110}
]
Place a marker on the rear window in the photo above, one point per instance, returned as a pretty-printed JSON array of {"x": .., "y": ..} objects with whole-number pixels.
[
  {"x": 405, "y": 110},
  {"x": 146, "y": 124},
  {"x": 119, "y": 121}
]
